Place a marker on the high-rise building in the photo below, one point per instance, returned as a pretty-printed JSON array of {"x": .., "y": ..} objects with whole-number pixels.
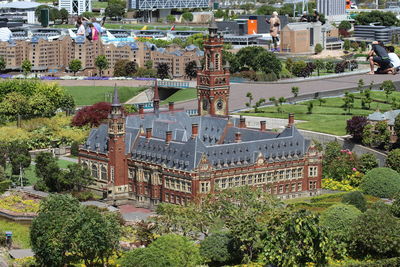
[
  {"x": 167, "y": 4},
  {"x": 333, "y": 10},
  {"x": 76, "y": 7}
]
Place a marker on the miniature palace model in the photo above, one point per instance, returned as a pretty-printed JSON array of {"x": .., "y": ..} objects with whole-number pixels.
[{"x": 169, "y": 156}]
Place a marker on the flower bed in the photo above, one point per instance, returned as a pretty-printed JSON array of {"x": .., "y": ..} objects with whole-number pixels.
[{"x": 17, "y": 203}]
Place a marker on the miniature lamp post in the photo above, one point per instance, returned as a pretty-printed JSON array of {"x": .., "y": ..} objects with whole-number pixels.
[{"x": 9, "y": 239}]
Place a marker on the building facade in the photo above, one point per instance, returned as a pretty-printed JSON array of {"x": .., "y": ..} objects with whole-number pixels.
[
  {"x": 334, "y": 10},
  {"x": 389, "y": 117},
  {"x": 76, "y": 7},
  {"x": 169, "y": 156}
]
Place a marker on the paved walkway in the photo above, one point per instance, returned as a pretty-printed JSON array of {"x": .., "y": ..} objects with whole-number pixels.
[{"x": 68, "y": 159}]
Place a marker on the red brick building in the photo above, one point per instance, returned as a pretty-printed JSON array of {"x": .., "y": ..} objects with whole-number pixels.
[{"x": 169, "y": 156}]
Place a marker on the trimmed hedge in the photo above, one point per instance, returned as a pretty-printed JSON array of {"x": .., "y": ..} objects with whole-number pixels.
[
  {"x": 338, "y": 218},
  {"x": 327, "y": 197},
  {"x": 356, "y": 199},
  {"x": 381, "y": 182},
  {"x": 4, "y": 185},
  {"x": 391, "y": 262}
]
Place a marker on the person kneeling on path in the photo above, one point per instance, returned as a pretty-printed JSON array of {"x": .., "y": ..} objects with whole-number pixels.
[{"x": 378, "y": 56}]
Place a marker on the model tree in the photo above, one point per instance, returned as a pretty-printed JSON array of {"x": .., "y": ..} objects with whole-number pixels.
[
  {"x": 295, "y": 91},
  {"x": 75, "y": 65},
  {"x": 355, "y": 127},
  {"x": 64, "y": 15},
  {"x": 26, "y": 67},
  {"x": 389, "y": 87},
  {"x": 191, "y": 70},
  {"x": 131, "y": 68},
  {"x": 101, "y": 63},
  {"x": 120, "y": 68},
  {"x": 319, "y": 64},
  {"x": 163, "y": 71},
  {"x": 268, "y": 63},
  {"x": 187, "y": 16},
  {"x": 3, "y": 64},
  {"x": 115, "y": 10}
]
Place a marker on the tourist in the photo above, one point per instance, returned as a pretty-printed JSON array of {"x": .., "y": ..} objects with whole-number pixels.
[
  {"x": 394, "y": 61},
  {"x": 305, "y": 17},
  {"x": 274, "y": 22},
  {"x": 97, "y": 25},
  {"x": 81, "y": 29},
  {"x": 378, "y": 56},
  {"x": 5, "y": 34},
  {"x": 94, "y": 33},
  {"x": 316, "y": 16}
]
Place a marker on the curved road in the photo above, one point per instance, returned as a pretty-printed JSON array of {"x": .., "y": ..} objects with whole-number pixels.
[{"x": 238, "y": 90}]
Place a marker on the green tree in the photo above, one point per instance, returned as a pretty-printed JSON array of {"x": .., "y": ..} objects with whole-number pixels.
[
  {"x": 318, "y": 48},
  {"x": 167, "y": 250},
  {"x": 195, "y": 39},
  {"x": 101, "y": 63},
  {"x": 64, "y": 15},
  {"x": 319, "y": 64},
  {"x": 120, "y": 68},
  {"x": 191, "y": 69},
  {"x": 395, "y": 208},
  {"x": 383, "y": 18},
  {"x": 298, "y": 67},
  {"x": 330, "y": 66},
  {"x": 249, "y": 95},
  {"x": 348, "y": 100},
  {"x": 258, "y": 104},
  {"x": 171, "y": 19},
  {"x": 19, "y": 157},
  {"x": 15, "y": 104},
  {"x": 294, "y": 239},
  {"x": 363, "y": 46},
  {"x": 95, "y": 235},
  {"x": 310, "y": 106},
  {"x": 187, "y": 16},
  {"x": 344, "y": 25},
  {"x": 131, "y": 68},
  {"x": 75, "y": 65},
  {"x": 381, "y": 135},
  {"x": 347, "y": 45},
  {"x": 26, "y": 67},
  {"x": 234, "y": 64},
  {"x": 148, "y": 64},
  {"x": 47, "y": 169},
  {"x": 355, "y": 46},
  {"x": 267, "y": 62},
  {"x": 163, "y": 71},
  {"x": 375, "y": 234},
  {"x": 321, "y": 101},
  {"x": 49, "y": 232},
  {"x": 265, "y": 10},
  {"x": 282, "y": 100},
  {"x": 381, "y": 182},
  {"x": 295, "y": 91},
  {"x": 368, "y": 162},
  {"x": 219, "y": 249},
  {"x": 389, "y": 87},
  {"x": 367, "y": 135},
  {"x": 393, "y": 160},
  {"x": 3, "y": 64},
  {"x": 115, "y": 11},
  {"x": 77, "y": 177},
  {"x": 247, "y": 56}
]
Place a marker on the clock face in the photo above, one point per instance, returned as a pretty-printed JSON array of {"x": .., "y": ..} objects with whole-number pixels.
[
  {"x": 205, "y": 104},
  {"x": 220, "y": 104}
]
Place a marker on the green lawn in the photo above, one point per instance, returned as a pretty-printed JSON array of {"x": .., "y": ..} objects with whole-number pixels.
[
  {"x": 328, "y": 118},
  {"x": 182, "y": 95},
  {"x": 97, "y": 4},
  {"x": 88, "y": 95},
  {"x": 20, "y": 232},
  {"x": 63, "y": 164}
]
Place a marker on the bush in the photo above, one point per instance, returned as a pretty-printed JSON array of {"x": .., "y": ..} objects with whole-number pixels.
[
  {"x": 329, "y": 66},
  {"x": 92, "y": 115},
  {"x": 84, "y": 195},
  {"x": 4, "y": 185},
  {"x": 368, "y": 162},
  {"x": 395, "y": 208},
  {"x": 271, "y": 77},
  {"x": 318, "y": 48},
  {"x": 338, "y": 219},
  {"x": 331, "y": 184},
  {"x": 298, "y": 67},
  {"x": 345, "y": 25},
  {"x": 261, "y": 76},
  {"x": 41, "y": 186},
  {"x": 356, "y": 199},
  {"x": 355, "y": 127},
  {"x": 393, "y": 159},
  {"x": 347, "y": 45},
  {"x": 218, "y": 249},
  {"x": 75, "y": 149},
  {"x": 381, "y": 182}
]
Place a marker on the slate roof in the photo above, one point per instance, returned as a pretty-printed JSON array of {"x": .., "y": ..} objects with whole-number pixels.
[
  {"x": 390, "y": 116},
  {"x": 215, "y": 140}
]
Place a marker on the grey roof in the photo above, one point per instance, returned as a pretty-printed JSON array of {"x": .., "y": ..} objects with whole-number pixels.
[
  {"x": 116, "y": 98},
  {"x": 390, "y": 116},
  {"x": 215, "y": 141}
]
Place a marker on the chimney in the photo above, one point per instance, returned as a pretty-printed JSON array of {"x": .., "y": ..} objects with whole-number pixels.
[
  {"x": 242, "y": 122},
  {"x": 238, "y": 137},
  {"x": 148, "y": 133},
  {"x": 168, "y": 136},
  {"x": 171, "y": 106},
  {"x": 291, "y": 120},
  {"x": 195, "y": 130},
  {"x": 141, "y": 109},
  {"x": 263, "y": 126}
]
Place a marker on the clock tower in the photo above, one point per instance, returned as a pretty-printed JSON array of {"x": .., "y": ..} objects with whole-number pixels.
[{"x": 213, "y": 78}]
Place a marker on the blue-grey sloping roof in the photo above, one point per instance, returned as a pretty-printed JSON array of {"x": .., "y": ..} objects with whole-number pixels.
[
  {"x": 97, "y": 140},
  {"x": 390, "y": 116}
]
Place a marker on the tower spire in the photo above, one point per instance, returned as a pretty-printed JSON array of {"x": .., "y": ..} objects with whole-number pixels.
[
  {"x": 156, "y": 98},
  {"x": 115, "y": 101}
]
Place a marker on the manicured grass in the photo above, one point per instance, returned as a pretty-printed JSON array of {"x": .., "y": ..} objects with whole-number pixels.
[
  {"x": 20, "y": 232},
  {"x": 182, "y": 95},
  {"x": 89, "y": 95},
  {"x": 329, "y": 117},
  {"x": 63, "y": 164},
  {"x": 97, "y": 4}
]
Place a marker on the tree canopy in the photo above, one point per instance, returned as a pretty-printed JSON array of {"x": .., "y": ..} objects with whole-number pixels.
[{"x": 383, "y": 18}]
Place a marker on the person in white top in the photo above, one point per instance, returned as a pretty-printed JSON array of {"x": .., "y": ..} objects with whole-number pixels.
[
  {"x": 5, "y": 34},
  {"x": 394, "y": 61},
  {"x": 81, "y": 28}
]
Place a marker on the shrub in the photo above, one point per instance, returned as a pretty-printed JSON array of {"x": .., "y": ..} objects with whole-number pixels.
[
  {"x": 368, "y": 162},
  {"x": 271, "y": 77},
  {"x": 84, "y": 195},
  {"x": 75, "y": 149},
  {"x": 338, "y": 219},
  {"x": 318, "y": 48},
  {"x": 92, "y": 115},
  {"x": 345, "y": 25},
  {"x": 355, "y": 127},
  {"x": 356, "y": 199},
  {"x": 381, "y": 182},
  {"x": 285, "y": 73},
  {"x": 261, "y": 76},
  {"x": 395, "y": 208},
  {"x": 4, "y": 185},
  {"x": 331, "y": 184},
  {"x": 218, "y": 249},
  {"x": 346, "y": 45},
  {"x": 393, "y": 159},
  {"x": 329, "y": 66},
  {"x": 41, "y": 186},
  {"x": 298, "y": 67}
]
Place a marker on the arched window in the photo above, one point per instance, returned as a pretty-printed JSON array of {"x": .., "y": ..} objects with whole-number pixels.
[
  {"x": 95, "y": 173},
  {"x": 103, "y": 173},
  {"x": 217, "y": 61},
  {"x": 208, "y": 61}
]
